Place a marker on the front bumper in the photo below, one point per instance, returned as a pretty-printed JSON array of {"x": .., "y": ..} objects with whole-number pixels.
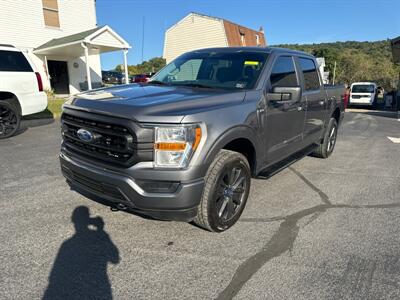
[{"x": 180, "y": 205}]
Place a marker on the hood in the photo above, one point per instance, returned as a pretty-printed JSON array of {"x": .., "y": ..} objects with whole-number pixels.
[{"x": 153, "y": 103}]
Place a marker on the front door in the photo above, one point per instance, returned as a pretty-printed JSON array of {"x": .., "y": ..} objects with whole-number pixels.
[
  {"x": 59, "y": 80},
  {"x": 315, "y": 96},
  {"x": 285, "y": 120}
]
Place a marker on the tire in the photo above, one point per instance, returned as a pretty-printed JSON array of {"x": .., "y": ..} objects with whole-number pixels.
[
  {"x": 227, "y": 186},
  {"x": 10, "y": 119},
  {"x": 327, "y": 146}
]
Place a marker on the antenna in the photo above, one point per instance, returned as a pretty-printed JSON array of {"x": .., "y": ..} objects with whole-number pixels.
[{"x": 143, "y": 38}]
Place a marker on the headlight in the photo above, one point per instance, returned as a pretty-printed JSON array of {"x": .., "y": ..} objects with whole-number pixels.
[{"x": 174, "y": 146}]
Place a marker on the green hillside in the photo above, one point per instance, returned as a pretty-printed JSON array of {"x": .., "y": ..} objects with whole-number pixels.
[{"x": 356, "y": 61}]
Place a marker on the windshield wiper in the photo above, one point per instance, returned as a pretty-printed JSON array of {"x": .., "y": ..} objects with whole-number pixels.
[
  {"x": 198, "y": 85},
  {"x": 157, "y": 82}
]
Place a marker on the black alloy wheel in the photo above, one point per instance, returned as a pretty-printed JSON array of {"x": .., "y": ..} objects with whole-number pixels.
[
  {"x": 226, "y": 189},
  {"x": 9, "y": 120},
  {"x": 230, "y": 191}
]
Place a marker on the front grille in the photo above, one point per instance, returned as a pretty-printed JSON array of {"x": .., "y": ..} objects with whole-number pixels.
[
  {"x": 93, "y": 185},
  {"x": 112, "y": 143}
]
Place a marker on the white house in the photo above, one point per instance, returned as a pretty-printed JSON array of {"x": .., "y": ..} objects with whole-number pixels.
[
  {"x": 322, "y": 65},
  {"x": 62, "y": 39},
  {"x": 196, "y": 31}
]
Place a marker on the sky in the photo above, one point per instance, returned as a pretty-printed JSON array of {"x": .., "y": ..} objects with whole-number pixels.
[{"x": 284, "y": 21}]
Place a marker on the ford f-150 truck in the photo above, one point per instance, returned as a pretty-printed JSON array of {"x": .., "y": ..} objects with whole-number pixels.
[{"x": 185, "y": 145}]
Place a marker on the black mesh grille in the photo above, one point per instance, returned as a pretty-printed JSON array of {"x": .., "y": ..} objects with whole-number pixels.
[
  {"x": 111, "y": 143},
  {"x": 94, "y": 185}
]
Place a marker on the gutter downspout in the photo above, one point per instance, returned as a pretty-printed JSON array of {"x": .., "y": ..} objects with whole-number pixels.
[{"x": 89, "y": 79}]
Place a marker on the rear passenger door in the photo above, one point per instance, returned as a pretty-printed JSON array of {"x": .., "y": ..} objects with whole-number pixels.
[
  {"x": 285, "y": 119},
  {"x": 314, "y": 94}
]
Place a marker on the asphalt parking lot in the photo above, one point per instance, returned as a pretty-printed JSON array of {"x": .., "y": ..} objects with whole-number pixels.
[{"x": 320, "y": 229}]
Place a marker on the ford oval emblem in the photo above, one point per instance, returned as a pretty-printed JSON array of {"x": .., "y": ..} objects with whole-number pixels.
[{"x": 85, "y": 135}]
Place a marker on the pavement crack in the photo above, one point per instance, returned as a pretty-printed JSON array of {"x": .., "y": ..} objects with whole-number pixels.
[
  {"x": 281, "y": 242},
  {"x": 324, "y": 197}
]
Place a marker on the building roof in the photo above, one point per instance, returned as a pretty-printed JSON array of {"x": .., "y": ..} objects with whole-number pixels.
[
  {"x": 69, "y": 38},
  {"x": 101, "y": 39},
  {"x": 209, "y": 17}
]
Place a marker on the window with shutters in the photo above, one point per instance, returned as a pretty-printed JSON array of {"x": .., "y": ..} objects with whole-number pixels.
[{"x": 50, "y": 13}]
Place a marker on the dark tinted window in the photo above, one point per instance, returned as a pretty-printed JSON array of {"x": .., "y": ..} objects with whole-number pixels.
[
  {"x": 311, "y": 80},
  {"x": 14, "y": 62},
  {"x": 283, "y": 73},
  {"x": 363, "y": 88}
]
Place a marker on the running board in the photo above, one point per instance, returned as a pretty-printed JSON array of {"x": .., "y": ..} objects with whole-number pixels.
[{"x": 279, "y": 166}]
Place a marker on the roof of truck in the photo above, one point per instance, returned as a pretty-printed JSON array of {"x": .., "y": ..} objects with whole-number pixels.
[{"x": 253, "y": 49}]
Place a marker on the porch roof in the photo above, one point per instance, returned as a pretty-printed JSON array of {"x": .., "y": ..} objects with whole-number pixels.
[{"x": 98, "y": 40}]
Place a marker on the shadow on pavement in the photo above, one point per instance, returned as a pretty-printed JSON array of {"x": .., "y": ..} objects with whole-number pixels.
[
  {"x": 80, "y": 268},
  {"x": 376, "y": 113}
]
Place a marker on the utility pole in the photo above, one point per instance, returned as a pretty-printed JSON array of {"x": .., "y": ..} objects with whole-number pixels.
[
  {"x": 143, "y": 39},
  {"x": 334, "y": 73}
]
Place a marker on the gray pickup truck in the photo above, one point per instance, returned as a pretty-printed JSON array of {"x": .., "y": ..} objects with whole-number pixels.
[{"x": 185, "y": 145}]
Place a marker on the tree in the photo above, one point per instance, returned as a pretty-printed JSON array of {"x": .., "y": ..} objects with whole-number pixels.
[
  {"x": 150, "y": 66},
  {"x": 356, "y": 61}
]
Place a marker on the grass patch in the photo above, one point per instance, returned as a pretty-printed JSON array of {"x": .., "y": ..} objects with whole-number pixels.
[{"x": 53, "y": 110}]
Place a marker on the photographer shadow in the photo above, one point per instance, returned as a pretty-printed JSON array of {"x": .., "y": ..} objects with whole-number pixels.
[{"x": 80, "y": 268}]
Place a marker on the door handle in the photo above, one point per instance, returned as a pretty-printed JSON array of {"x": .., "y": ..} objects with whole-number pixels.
[{"x": 261, "y": 110}]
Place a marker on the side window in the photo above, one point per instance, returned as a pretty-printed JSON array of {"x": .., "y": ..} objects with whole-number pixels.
[
  {"x": 311, "y": 79},
  {"x": 284, "y": 73},
  {"x": 13, "y": 61}
]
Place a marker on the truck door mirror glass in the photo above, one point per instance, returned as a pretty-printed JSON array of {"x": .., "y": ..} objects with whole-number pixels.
[{"x": 281, "y": 94}]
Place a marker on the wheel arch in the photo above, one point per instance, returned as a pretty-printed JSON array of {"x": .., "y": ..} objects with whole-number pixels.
[
  {"x": 12, "y": 99},
  {"x": 336, "y": 115},
  {"x": 239, "y": 139}
]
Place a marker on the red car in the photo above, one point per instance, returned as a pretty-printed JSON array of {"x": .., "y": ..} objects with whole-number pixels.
[{"x": 142, "y": 78}]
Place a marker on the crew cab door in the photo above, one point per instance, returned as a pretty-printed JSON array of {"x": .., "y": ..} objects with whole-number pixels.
[
  {"x": 285, "y": 113},
  {"x": 315, "y": 96}
]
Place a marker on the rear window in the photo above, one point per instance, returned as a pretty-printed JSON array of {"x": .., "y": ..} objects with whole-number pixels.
[
  {"x": 311, "y": 79},
  {"x": 363, "y": 88},
  {"x": 12, "y": 61}
]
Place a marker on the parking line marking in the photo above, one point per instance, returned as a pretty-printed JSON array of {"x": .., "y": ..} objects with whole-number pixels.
[{"x": 394, "y": 140}]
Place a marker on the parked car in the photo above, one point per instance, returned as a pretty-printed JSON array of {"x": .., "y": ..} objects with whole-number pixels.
[
  {"x": 142, "y": 78},
  {"x": 363, "y": 93},
  {"x": 21, "y": 90},
  {"x": 185, "y": 145},
  {"x": 132, "y": 78},
  {"x": 112, "y": 77}
]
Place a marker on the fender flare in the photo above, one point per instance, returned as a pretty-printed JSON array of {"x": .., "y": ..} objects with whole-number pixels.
[{"x": 233, "y": 133}]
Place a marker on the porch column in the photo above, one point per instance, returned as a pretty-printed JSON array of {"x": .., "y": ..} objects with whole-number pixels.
[
  {"x": 126, "y": 66},
  {"x": 89, "y": 80}
]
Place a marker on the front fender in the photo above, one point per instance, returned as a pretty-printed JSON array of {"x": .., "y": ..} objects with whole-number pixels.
[{"x": 237, "y": 132}]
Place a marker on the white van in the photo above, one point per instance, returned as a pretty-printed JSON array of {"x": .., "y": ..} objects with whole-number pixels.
[
  {"x": 21, "y": 90},
  {"x": 362, "y": 93}
]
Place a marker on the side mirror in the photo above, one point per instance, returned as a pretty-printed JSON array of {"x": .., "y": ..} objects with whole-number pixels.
[{"x": 285, "y": 94}]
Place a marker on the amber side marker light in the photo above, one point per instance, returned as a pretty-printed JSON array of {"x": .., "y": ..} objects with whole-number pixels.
[
  {"x": 170, "y": 146},
  {"x": 197, "y": 138}
]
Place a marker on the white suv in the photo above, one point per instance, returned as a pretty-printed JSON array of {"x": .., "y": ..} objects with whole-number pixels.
[{"x": 21, "y": 90}]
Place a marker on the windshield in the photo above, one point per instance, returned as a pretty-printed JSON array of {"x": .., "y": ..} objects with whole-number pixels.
[
  {"x": 363, "y": 88},
  {"x": 238, "y": 70}
]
